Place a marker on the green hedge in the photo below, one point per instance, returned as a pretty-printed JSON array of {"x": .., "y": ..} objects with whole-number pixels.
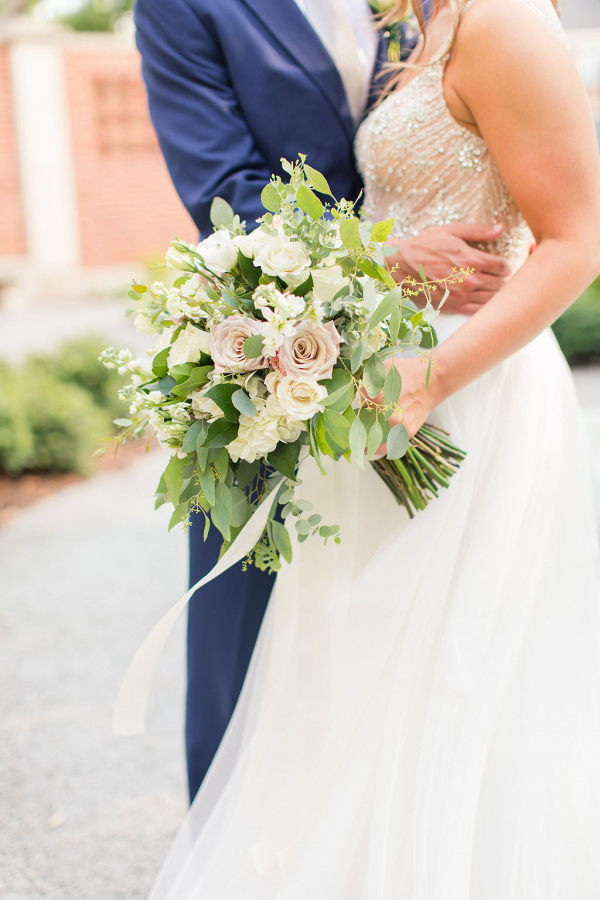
[
  {"x": 54, "y": 408},
  {"x": 578, "y": 331}
]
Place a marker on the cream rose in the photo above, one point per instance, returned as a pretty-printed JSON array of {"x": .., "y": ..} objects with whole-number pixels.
[
  {"x": 285, "y": 259},
  {"x": 251, "y": 244},
  {"x": 327, "y": 282},
  {"x": 311, "y": 351},
  {"x": 300, "y": 398},
  {"x": 272, "y": 382},
  {"x": 227, "y": 345},
  {"x": 179, "y": 260},
  {"x": 218, "y": 252},
  {"x": 190, "y": 343}
]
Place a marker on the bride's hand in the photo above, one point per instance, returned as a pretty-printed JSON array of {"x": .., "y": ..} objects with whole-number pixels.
[{"x": 415, "y": 403}]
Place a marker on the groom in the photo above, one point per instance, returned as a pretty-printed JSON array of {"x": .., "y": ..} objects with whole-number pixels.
[{"x": 233, "y": 86}]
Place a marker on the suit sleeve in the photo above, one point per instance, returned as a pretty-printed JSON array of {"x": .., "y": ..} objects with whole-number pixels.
[{"x": 205, "y": 140}]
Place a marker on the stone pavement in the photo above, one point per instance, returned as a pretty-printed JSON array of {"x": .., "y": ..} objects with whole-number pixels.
[{"x": 85, "y": 815}]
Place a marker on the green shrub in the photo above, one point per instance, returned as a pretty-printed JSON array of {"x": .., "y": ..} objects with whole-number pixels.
[
  {"x": 77, "y": 363},
  {"x": 54, "y": 408},
  {"x": 578, "y": 330}
]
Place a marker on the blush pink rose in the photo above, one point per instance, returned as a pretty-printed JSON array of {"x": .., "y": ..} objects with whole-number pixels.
[
  {"x": 227, "y": 345},
  {"x": 311, "y": 352}
]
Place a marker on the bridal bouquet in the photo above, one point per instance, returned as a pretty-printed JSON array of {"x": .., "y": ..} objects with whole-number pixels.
[{"x": 271, "y": 346}]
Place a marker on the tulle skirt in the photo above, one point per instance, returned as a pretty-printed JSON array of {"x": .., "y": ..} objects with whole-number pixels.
[{"x": 421, "y": 719}]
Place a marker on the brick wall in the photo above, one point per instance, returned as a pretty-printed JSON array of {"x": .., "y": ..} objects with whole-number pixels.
[
  {"x": 128, "y": 208},
  {"x": 12, "y": 237}
]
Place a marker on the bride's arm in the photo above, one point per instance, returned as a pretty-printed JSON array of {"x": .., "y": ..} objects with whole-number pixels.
[{"x": 511, "y": 80}]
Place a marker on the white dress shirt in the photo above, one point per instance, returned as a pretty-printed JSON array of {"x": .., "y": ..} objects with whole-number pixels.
[{"x": 345, "y": 27}]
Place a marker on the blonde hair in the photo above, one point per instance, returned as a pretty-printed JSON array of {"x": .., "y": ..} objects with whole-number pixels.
[{"x": 397, "y": 11}]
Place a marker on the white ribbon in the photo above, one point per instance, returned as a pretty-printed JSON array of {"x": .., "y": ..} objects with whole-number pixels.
[{"x": 130, "y": 709}]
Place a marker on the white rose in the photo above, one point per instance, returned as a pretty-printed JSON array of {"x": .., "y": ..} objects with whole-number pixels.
[
  {"x": 218, "y": 252},
  {"x": 251, "y": 244},
  {"x": 327, "y": 282},
  {"x": 176, "y": 259},
  {"x": 189, "y": 345},
  {"x": 300, "y": 398},
  {"x": 285, "y": 259},
  {"x": 143, "y": 324}
]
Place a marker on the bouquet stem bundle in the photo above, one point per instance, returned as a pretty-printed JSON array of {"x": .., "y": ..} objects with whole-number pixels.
[{"x": 430, "y": 462}]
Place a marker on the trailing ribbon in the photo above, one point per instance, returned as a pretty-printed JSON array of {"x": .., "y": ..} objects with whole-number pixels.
[{"x": 130, "y": 709}]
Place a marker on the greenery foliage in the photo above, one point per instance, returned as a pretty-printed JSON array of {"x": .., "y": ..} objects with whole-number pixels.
[
  {"x": 97, "y": 15},
  {"x": 578, "y": 330},
  {"x": 54, "y": 408}
]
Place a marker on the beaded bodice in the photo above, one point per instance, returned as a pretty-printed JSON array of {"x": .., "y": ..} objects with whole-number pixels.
[{"x": 420, "y": 166}]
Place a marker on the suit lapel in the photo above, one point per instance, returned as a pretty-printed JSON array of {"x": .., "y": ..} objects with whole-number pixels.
[{"x": 292, "y": 30}]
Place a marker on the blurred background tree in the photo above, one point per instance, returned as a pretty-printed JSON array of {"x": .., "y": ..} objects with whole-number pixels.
[{"x": 80, "y": 15}]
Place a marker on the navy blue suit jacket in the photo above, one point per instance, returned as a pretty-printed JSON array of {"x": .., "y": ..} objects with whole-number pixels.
[{"x": 233, "y": 86}]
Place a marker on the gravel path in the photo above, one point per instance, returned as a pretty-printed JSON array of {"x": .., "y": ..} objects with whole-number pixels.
[{"x": 83, "y": 575}]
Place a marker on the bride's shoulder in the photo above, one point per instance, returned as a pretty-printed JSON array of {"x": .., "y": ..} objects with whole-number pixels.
[
  {"x": 501, "y": 22},
  {"x": 509, "y": 40}
]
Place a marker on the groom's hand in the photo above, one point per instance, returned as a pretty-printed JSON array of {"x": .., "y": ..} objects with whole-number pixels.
[{"x": 439, "y": 250}]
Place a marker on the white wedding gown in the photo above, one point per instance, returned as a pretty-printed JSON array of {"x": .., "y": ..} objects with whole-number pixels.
[{"x": 421, "y": 720}]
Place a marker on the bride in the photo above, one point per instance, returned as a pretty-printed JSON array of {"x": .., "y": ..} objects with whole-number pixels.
[{"x": 422, "y": 714}]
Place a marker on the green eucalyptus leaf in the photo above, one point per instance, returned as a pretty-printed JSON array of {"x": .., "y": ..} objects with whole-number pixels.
[
  {"x": 221, "y": 394},
  {"x": 221, "y": 213},
  {"x": 382, "y": 230},
  {"x": 429, "y": 339},
  {"x": 392, "y": 387},
  {"x": 397, "y": 442},
  {"x": 358, "y": 354},
  {"x": 253, "y": 346},
  {"x": 239, "y": 508},
  {"x": 221, "y": 512},
  {"x": 337, "y": 429},
  {"x": 317, "y": 180},
  {"x": 282, "y": 541},
  {"x": 197, "y": 378},
  {"x": 208, "y": 485},
  {"x": 191, "y": 437},
  {"x": 179, "y": 514},
  {"x": 174, "y": 478},
  {"x": 221, "y": 463},
  {"x": 284, "y": 458},
  {"x": 270, "y": 198},
  {"x": 243, "y": 403},
  {"x": 349, "y": 233},
  {"x": 374, "y": 375},
  {"x": 394, "y": 326},
  {"x": 309, "y": 202},
  {"x": 375, "y": 438},
  {"x": 358, "y": 441},
  {"x": 220, "y": 433},
  {"x": 390, "y": 302}
]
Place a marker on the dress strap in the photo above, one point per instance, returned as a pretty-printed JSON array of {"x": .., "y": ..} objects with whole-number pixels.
[{"x": 552, "y": 23}]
